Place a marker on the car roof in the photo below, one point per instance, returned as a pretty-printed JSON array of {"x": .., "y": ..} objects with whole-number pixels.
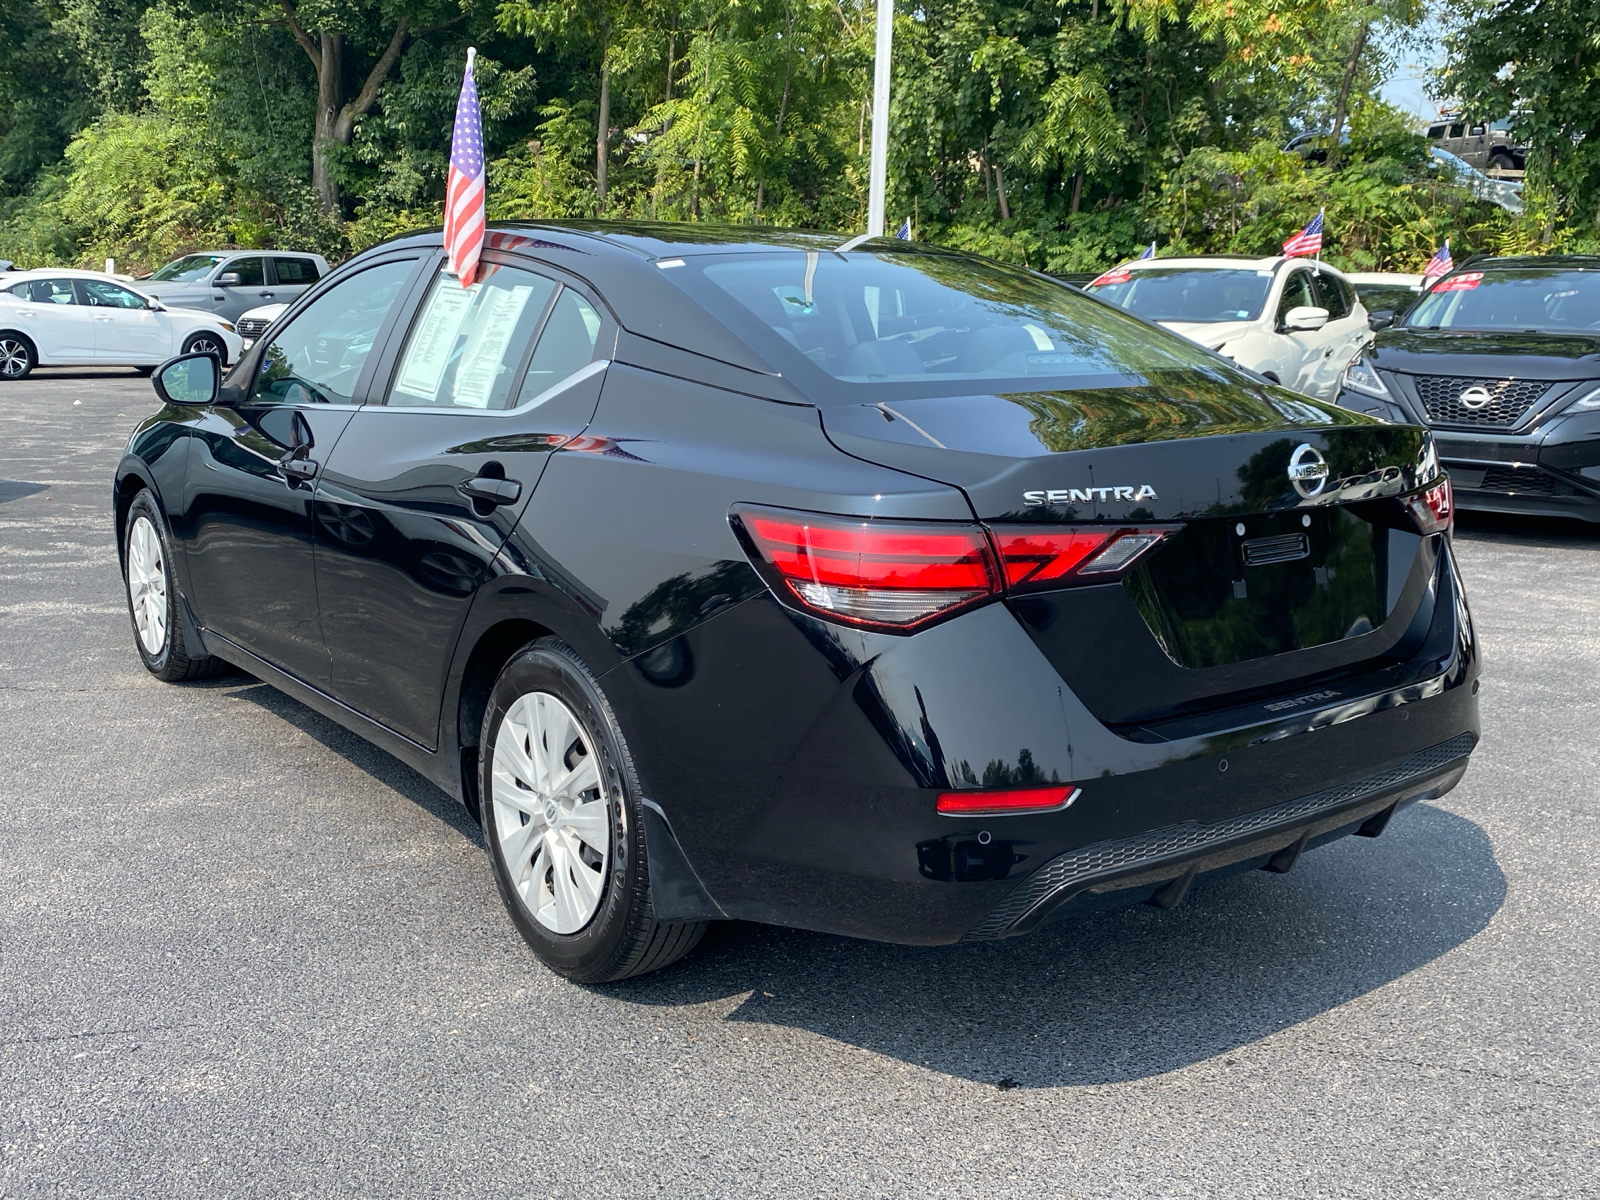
[
  {"x": 1216, "y": 262},
  {"x": 1398, "y": 279},
  {"x": 1553, "y": 262},
  {"x": 65, "y": 273}
]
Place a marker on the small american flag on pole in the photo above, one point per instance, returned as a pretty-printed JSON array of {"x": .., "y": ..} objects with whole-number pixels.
[
  {"x": 1439, "y": 264},
  {"x": 463, "y": 193},
  {"x": 1307, "y": 241}
]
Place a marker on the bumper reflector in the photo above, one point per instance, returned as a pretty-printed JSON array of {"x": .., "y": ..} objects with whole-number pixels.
[{"x": 1010, "y": 802}]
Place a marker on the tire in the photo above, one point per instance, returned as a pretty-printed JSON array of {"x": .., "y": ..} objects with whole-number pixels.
[
  {"x": 570, "y": 860},
  {"x": 18, "y": 358},
  {"x": 153, "y": 599},
  {"x": 1501, "y": 162},
  {"x": 206, "y": 342}
]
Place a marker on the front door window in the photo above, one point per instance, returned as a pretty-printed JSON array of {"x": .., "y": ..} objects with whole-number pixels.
[{"x": 318, "y": 358}]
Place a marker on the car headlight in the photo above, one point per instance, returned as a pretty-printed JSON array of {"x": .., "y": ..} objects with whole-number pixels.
[
  {"x": 1360, "y": 377},
  {"x": 1586, "y": 403},
  {"x": 226, "y": 325}
]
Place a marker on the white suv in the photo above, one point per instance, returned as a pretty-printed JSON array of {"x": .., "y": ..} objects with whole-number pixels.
[{"x": 1294, "y": 320}]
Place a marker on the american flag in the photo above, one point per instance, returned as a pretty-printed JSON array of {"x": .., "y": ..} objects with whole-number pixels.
[
  {"x": 1439, "y": 264},
  {"x": 1149, "y": 251},
  {"x": 1307, "y": 241},
  {"x": 463, "y": 193}
]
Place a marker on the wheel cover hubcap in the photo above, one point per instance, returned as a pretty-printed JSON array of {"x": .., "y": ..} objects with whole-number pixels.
[
  {"x": 147, "y": 585},
  {"x": 13, "y": 357},
  {"x": 551, "y": 811}
]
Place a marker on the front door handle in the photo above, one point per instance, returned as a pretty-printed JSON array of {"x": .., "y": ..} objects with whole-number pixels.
[{"x": 492, "y": 491}]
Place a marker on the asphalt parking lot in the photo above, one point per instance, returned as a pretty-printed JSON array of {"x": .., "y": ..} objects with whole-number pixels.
[{"x": 243, "y": 953}]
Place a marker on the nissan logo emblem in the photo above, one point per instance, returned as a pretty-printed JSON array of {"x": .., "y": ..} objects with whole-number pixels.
[
  {"x": 1475, "y": 397},
  {"x": 1308, "y": 470}
]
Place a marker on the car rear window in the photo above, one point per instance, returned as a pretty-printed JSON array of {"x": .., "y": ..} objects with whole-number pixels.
[
  {"x": 908, "y": 316},
  {"x": 1187, "y": 294},
  {"x": 1511, "y": 299},
  {"x": 296, "y": 270}
]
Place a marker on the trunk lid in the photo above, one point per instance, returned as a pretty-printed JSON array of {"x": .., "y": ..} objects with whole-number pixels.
[{"x": 1272, "y": 585}]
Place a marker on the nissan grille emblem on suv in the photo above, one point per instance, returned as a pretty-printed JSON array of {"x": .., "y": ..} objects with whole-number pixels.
[
  {"x": 1308, "y": 470},
  {"x": 1475, "y": 397},
  {"x": 1090, "y": 494}
]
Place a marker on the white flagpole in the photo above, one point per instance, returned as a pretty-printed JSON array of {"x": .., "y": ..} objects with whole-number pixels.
[
  {"x": 879, "y": 166},
  {"x": 1322, "y": 214}
]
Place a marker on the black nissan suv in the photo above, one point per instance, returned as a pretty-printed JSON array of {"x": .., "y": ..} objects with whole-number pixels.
[{"x": 1502, "y": 359}]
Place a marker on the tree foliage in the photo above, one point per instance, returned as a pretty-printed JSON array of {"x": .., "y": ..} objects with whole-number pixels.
[{"x": 1065, "y": 134}]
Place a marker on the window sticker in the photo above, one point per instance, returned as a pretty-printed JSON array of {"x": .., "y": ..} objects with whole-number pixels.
[
  {"x": 428, "y": 353},
  {"x": 1115, "y": 275},
  {"x": 1461, "y": 283},
  {"x": 482, "y": 359},
  {"x": 1041, "y": 339}
]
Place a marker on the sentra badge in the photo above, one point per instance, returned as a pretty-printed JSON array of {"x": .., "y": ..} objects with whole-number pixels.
[{"x": 1088, "y": 495}]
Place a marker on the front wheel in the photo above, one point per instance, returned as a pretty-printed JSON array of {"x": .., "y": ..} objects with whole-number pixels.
[
  {"x": 206, "y": 342},
  {"x": 153, "y": 600},
  {"x": 563, "y": 823},
  {"x": 17, "y": 357}
]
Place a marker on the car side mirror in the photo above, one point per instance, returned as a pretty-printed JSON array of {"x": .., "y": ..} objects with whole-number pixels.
[
  {"x": 1304, "y": 317},
  {"x": 188, "y": 379},
  {"x": 1381, "y": 319},
  {"x": 154, "y": 305},
  {"x": 228, "y": 279}
]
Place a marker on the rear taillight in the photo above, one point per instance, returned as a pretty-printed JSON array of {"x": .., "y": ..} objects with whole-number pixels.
[
  {"x": 1434, "y": 510},
  {"x": 896, "y": 575},
  {"x": 1036, "y": 558},
  {"x": 900, "y": 575},
  {"x": 1009, "y": 802}
]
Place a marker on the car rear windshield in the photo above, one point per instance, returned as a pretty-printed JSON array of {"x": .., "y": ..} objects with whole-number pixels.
[
  {"x": 1395, "y": 297},
  {"x": 188, "y": 268},
  {"x": 1511, "y": 299},
  {"x": 912, "y": 316},
  {"x": 1188, "y": 294}
]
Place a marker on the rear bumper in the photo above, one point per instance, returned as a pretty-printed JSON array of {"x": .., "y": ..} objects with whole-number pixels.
[
  {"x": 1167, "y": 860},
  {"x": 797, "y": 765}
]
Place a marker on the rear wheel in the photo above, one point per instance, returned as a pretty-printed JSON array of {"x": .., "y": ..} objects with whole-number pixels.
[
  {"x": 562, "y": 821},
  {"x": 17, "y": 356},
  {"x": 1502, "y": 162},
  {"x": 153, "y": 600}
]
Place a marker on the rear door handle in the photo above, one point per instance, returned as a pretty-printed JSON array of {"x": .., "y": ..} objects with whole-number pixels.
[
  {"x": 492, "y": 491},
  {"x": 297, "y": 470}
]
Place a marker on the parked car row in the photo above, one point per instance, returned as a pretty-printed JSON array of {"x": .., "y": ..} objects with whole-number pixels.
[{"x": 59, "y": 317}]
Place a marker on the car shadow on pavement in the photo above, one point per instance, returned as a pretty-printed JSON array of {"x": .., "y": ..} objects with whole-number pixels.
[
  {"x": 381, "y": 765},
  {"x": 1123, "y": 995}
]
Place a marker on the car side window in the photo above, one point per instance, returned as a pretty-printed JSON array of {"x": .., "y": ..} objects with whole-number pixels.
[
  {"x": 317, "y": 358},
  {"x": 295, "y": 270},
  {"x": 1455, "y": 131},
  {"x": 466, "y": 343},
  {"x": 1329, "y": 296},
  {"x": 100, "y": 294},
  {"x": 1296, "y": 293},
  {"x": 566, "y": 344},
  {"x": 252, "y": 272},
  {"x": 45, "y": 291}
]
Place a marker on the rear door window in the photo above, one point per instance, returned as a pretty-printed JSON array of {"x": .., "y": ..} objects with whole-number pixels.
[
  {"x": 466, "y": 344},
  {"x": 295, "y": 270},
  {"x": 46, "y": 291}
]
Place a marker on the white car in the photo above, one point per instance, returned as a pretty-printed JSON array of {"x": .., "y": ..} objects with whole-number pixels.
[
  {"x": 61, "y": 318},
  {"x": 254, "y": 323},
  {"x": 1296, "y": 321}
]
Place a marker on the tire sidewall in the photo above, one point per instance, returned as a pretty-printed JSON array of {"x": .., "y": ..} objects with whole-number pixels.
[
  {"x": 144, "y": 506},
  {"x": 550, "y": 666},
  {"x": 189, "y": 343}
]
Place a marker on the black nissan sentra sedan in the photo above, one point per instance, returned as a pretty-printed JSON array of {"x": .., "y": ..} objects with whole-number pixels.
[
  {"x": 871, "y": 589},
  {"x": 1502, "y": 360}
]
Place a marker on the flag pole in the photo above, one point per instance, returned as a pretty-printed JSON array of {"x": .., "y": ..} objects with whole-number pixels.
[
  {"x": 1321, "y": 219},
  {"x": 879, "y": 166}
]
